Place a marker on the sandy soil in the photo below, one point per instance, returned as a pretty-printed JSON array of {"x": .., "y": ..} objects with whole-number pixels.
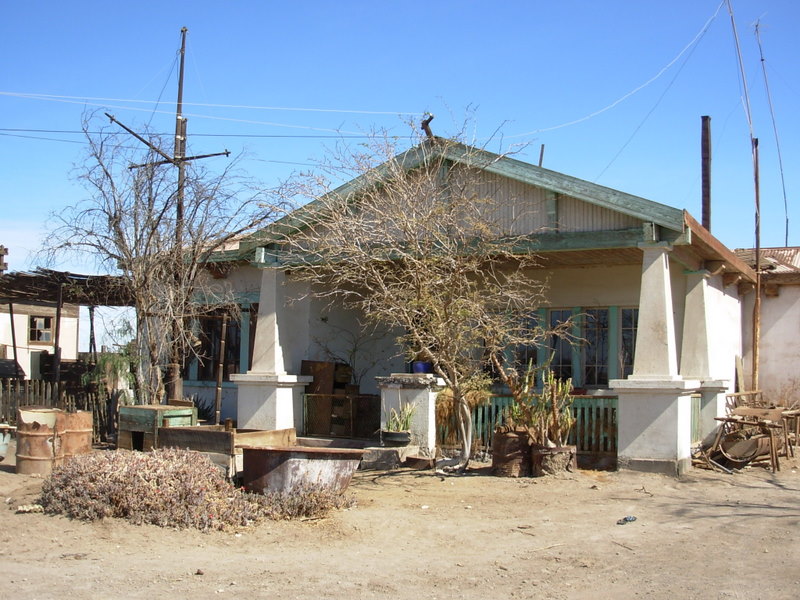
[{"x": 418, "y": 535}]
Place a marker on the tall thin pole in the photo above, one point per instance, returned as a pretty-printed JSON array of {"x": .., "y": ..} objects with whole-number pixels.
[
  {"x": 757, "y": 302},
  {"x": 57, "y": 344},
  {"x": 14, "y": 339},
  {"x": 220, "y": 369},
  {"x": 175, "y": 383}
]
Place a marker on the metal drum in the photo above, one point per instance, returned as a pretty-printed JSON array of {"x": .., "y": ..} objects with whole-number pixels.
[
  {"x": 39, "y": 432},
  {"x": 77, "y": 436}
]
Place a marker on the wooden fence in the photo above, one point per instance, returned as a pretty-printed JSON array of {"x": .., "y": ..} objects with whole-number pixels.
[{"x": 16, "y": 393}]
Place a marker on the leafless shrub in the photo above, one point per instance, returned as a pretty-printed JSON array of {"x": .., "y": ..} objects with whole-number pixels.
[
  {"x": 169, "y": 488},
  {"x": 306, "y": 501}
]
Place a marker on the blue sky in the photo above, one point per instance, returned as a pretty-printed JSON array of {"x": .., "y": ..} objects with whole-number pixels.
[{"x": 527, "y": 68}]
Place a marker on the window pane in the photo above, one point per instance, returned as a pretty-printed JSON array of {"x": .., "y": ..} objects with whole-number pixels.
[
  {"x": 629, "y": 318},
  {"x": 559, "y": 347},
  {"x": 595, "y": 350},
  {"x": 210, "y": 342}
]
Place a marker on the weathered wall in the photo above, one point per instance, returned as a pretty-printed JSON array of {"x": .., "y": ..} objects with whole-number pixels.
[
  {"x": 780, "y": 343},
  {"x": 336, "y": 334}
]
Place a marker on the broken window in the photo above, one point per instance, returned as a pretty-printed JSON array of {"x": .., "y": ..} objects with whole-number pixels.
[{"x": 40, "y": 330}]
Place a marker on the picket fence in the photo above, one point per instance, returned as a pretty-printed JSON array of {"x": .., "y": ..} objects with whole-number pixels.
[{"x": 16, "y": 393}]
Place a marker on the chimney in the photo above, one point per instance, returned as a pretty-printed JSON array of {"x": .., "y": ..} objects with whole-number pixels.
[{"x": 706, "y": 169}]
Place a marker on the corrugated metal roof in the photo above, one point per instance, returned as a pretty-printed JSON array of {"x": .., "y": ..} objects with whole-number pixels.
[{"x": 774, "y": 260}]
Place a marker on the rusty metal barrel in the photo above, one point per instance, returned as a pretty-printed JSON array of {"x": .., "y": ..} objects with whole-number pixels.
[
  {"x": 77, "y": 433},
  {"x": 39, "y": 433}
]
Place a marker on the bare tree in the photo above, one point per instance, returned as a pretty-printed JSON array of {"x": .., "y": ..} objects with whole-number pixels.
[
  {"x": 420, "y": 243},
  {"x": 128, "y": 224}
]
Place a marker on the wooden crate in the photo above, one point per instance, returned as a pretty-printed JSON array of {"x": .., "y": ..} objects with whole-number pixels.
[{"x": 139, "y": 425}]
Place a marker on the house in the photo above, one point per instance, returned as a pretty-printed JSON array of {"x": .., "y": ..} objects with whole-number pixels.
[
  {"x": 39, "y": 317},
  {"x": 664, "y": 297},
  {"x": 34, "y": 330},
  {"x": 779, "y": 342}
]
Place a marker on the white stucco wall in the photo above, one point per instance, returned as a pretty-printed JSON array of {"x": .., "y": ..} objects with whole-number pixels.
[
  {"x": 780, "y": 343},
  {"x": 599, "y": 286},
  {"x": 335, "y": 334},
  {"x": 726, "y": 330}
]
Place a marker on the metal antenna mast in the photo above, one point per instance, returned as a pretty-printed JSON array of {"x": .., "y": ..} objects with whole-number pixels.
[{"x": 179, "y": 160}]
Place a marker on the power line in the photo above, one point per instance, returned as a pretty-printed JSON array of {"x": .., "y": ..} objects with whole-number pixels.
[
  {"x": 635, "y": 90},
  {"x": 235, "y": 135},
  {"x": 199, "y": 116},
  {"x": 57, "y": 97},
  {"x": 775, "y": 131}
]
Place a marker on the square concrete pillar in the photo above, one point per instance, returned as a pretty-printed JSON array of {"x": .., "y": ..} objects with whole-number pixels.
[
  {"x": 654, "y": 420},
  {"x": 267, "y": 401},
  {"x": 399, "y": 389}
]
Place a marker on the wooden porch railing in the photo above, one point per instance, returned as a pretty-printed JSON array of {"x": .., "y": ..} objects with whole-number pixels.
[{"x": 595, "y": 430}]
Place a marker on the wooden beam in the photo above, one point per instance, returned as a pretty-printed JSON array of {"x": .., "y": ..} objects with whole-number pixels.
[
  {"x": 715, "y": 267},
  {"x": 702, "y": 237},
  {"x": 731, "y": 279}
]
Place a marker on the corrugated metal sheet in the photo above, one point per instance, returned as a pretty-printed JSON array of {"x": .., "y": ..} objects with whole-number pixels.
[
  {"x": 775, "y": 260},
  {"x": 576, "y": 215},
  {"x": 524, "y": 208}
]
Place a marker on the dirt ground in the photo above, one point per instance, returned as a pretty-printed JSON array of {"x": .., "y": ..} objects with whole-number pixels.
[{"x": 414, "y": 534}]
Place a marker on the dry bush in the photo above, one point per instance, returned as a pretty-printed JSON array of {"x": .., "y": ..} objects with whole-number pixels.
[
  {"x": 304, "y": 502},
  {"x": 169, "y": 488}
]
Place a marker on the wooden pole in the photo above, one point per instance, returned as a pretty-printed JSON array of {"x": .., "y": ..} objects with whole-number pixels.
[
  {"x": 57, "y": 344},
  {"x": 220, "y": 369},
  {"x": 14, "y": 339},
  {"x": 757, "y": 302}
]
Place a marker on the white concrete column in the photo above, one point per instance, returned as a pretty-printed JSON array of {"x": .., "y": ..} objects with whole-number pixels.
[
  {"x": 403, "y": 388},
  {"x": 656, "y": 353},
  {"x": 267, "y": 350},
  {"x": 654, "y": 419},
  {"x": 268, "y": 397},
  {"x": 654, "y": 423},
  {"x": 696, "y": 350}
]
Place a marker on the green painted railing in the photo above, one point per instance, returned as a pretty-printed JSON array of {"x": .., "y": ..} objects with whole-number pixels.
[{"x": 595, "y": 430}]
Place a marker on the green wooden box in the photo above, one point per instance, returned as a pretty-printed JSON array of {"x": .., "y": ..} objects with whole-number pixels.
[{"x": 138, "y": 425}]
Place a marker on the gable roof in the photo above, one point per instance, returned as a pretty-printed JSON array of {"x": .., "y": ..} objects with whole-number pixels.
[
  {"x": 676, "y": 225},
  {"x": 503, "y": 165}
]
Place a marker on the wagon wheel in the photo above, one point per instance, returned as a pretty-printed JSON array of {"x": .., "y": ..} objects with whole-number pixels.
[{"x": 741, "y": 435}]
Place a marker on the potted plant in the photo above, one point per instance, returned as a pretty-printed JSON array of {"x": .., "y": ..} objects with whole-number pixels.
[
  {"x": 544, "y": 417},
  {"x": 398, "y": 425},
  {"x": 550, "y": 423}
]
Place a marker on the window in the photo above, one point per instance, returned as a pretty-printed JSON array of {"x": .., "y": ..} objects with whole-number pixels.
[
  {"x": 525, "y": 355},
  {"x": 605, "y": 350},
  {"x": 560, "y": 348},
  {"x": 210, "y": 342},
  {"x": 210, "y": 335},
  {"x": 40, "y": 330},
  {"x": 595, "y": 349},
  {"x": 629, "y": 318}
]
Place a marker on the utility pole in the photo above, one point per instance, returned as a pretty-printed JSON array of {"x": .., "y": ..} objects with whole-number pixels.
[{"x": 174, "y": 382}]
